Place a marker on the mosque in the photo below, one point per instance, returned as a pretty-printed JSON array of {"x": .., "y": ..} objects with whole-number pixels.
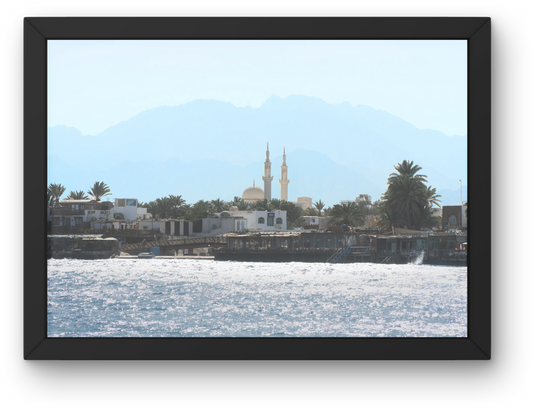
[{"x": 255, "y": 193}]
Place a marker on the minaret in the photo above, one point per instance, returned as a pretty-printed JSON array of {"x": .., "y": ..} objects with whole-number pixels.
[
  {"x": 284, "y": 181},
  {"x": 267, "y": 179}
]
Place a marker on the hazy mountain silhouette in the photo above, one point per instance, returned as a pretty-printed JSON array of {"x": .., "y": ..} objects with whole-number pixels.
[{"x": 209, "y": 148}]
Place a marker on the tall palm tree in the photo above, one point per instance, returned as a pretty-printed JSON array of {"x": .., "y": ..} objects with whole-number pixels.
[
  {"x": 275, "y": 204},
  {"x": 407, "y": 193},
  {"x": 56, "y": 190},
  {"x": 77, "y": 195},
  {"x": 347, "y": 213},
  {"x": 319, "y": 206},
  {"x": 99, "y": 190}
]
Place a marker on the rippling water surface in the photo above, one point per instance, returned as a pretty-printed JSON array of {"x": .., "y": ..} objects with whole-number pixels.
[{"x": 199, "y": 298}]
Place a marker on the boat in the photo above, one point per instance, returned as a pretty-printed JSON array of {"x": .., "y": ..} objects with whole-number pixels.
[{"x": 146, "y": 255}]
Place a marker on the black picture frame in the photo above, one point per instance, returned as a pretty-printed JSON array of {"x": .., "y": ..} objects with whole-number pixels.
[{"x": 476, "y": 346}]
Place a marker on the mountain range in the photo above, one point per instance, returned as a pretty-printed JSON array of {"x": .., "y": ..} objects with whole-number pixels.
[{"x": 207, "y": 149}]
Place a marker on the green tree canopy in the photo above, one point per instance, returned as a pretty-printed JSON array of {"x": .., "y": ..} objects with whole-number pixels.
[
  {"x": 55, "y": 191},
  {"x": 407, "y": 198},
  {"x": 346, "y": 213},
  {"x": 319, "y": 205},
  {"x": 99, "y": 190},
  {"x": 77, "y": 195}
]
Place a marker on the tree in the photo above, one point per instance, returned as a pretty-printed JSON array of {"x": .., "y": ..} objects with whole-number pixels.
[
  {"x": 99, "y": 190},
  {"x": 365, "y": 202},
  {"x": 294, "y": 214},
  {"x": 201, "y": 209},
  {"x": 77, "y": 195},
  {"x": 264, "y": 204},
  {"x": 346, "y": 213},
  {"x": 388, "y": 219},
  {"x": 319, "y": 205},
  {"x": 407, "y": 198},
  {"x": 219, "y": 205},
  {"x": 176, "y": 203},
  {"x": 311, "y": 212},
  {"x": 55, "y": 191}
]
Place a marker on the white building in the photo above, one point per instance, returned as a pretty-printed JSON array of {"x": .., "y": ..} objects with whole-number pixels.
[
  {"x": 128, "y": 209},
  {"x": 244, "y": 220}
]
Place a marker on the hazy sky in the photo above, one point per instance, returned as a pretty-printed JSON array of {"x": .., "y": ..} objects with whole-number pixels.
[{"x": 96, "y": 84}]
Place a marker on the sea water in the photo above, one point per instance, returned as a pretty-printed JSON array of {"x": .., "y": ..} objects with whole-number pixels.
[{"x": 206, "y": 298}]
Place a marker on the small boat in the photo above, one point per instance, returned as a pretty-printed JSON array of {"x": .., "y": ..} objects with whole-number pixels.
[{"x": 146, "y": 255}]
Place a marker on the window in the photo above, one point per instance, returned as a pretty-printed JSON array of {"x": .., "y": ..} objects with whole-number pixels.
[
  {"x": 261, "y": 220},
  {"x": 270, "y": 221},
  {"x": 279, "y": 220},
  {"x": 56, "y": 221},
  {"x": 78, "y": 221}
]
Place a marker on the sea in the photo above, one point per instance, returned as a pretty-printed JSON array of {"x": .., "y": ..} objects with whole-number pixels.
[{"x": 207, "y": 298}]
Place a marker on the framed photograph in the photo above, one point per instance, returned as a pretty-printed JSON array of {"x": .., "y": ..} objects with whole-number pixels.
[{"x": 41, "y": 36}]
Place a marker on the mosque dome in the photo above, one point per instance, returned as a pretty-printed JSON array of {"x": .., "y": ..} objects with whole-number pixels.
[{"x": 253, "y": 193}]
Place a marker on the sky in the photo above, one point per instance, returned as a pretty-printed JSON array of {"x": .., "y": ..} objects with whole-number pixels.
[{"x": 95, "y": 84}]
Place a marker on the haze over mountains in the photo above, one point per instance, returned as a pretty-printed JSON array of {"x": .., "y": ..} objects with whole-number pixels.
[{"x": 207, "y": 149}]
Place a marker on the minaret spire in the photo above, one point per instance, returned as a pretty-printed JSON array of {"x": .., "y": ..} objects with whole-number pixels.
[
  {"x": 267, "y": 179},
  {"x": 284, "y": 181}
]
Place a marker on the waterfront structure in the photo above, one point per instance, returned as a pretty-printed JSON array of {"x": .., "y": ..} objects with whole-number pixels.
[
  {"x": 284, "y": 182},
  {"x": 407, "y": 246},
  {"x": 267, "y": 178}
]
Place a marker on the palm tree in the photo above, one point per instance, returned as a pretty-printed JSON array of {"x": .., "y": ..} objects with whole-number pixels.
[
  {"x": 201, "y": 209},
  {"x": 176, "y": 203},
  {"x": 319, "y": 206},
  {"x": 365, "y": 202},
  {"x": 275, "y": 204},
  {"x": 55, "y": 191},
  {"x": 407, "y": 193},
  {"x": 77, "y": 195},
  {"x": 407, "y": 168},
  {"x": 219, "y": 205},
  {"x": 432, "y": 197},
  {"x": 388, "y": 219},
  {"x": 264, "y": 204},
  {"x": 294, "y": 214},
  {"x": 347, "y": 213},
  {"x": 99, "y": 190},
  {"x": 311, "y": 212},
  {"x": 242, "y": 205},
  {"x": 427, "y": 218},
  {"x": 163, "y": 207}
]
